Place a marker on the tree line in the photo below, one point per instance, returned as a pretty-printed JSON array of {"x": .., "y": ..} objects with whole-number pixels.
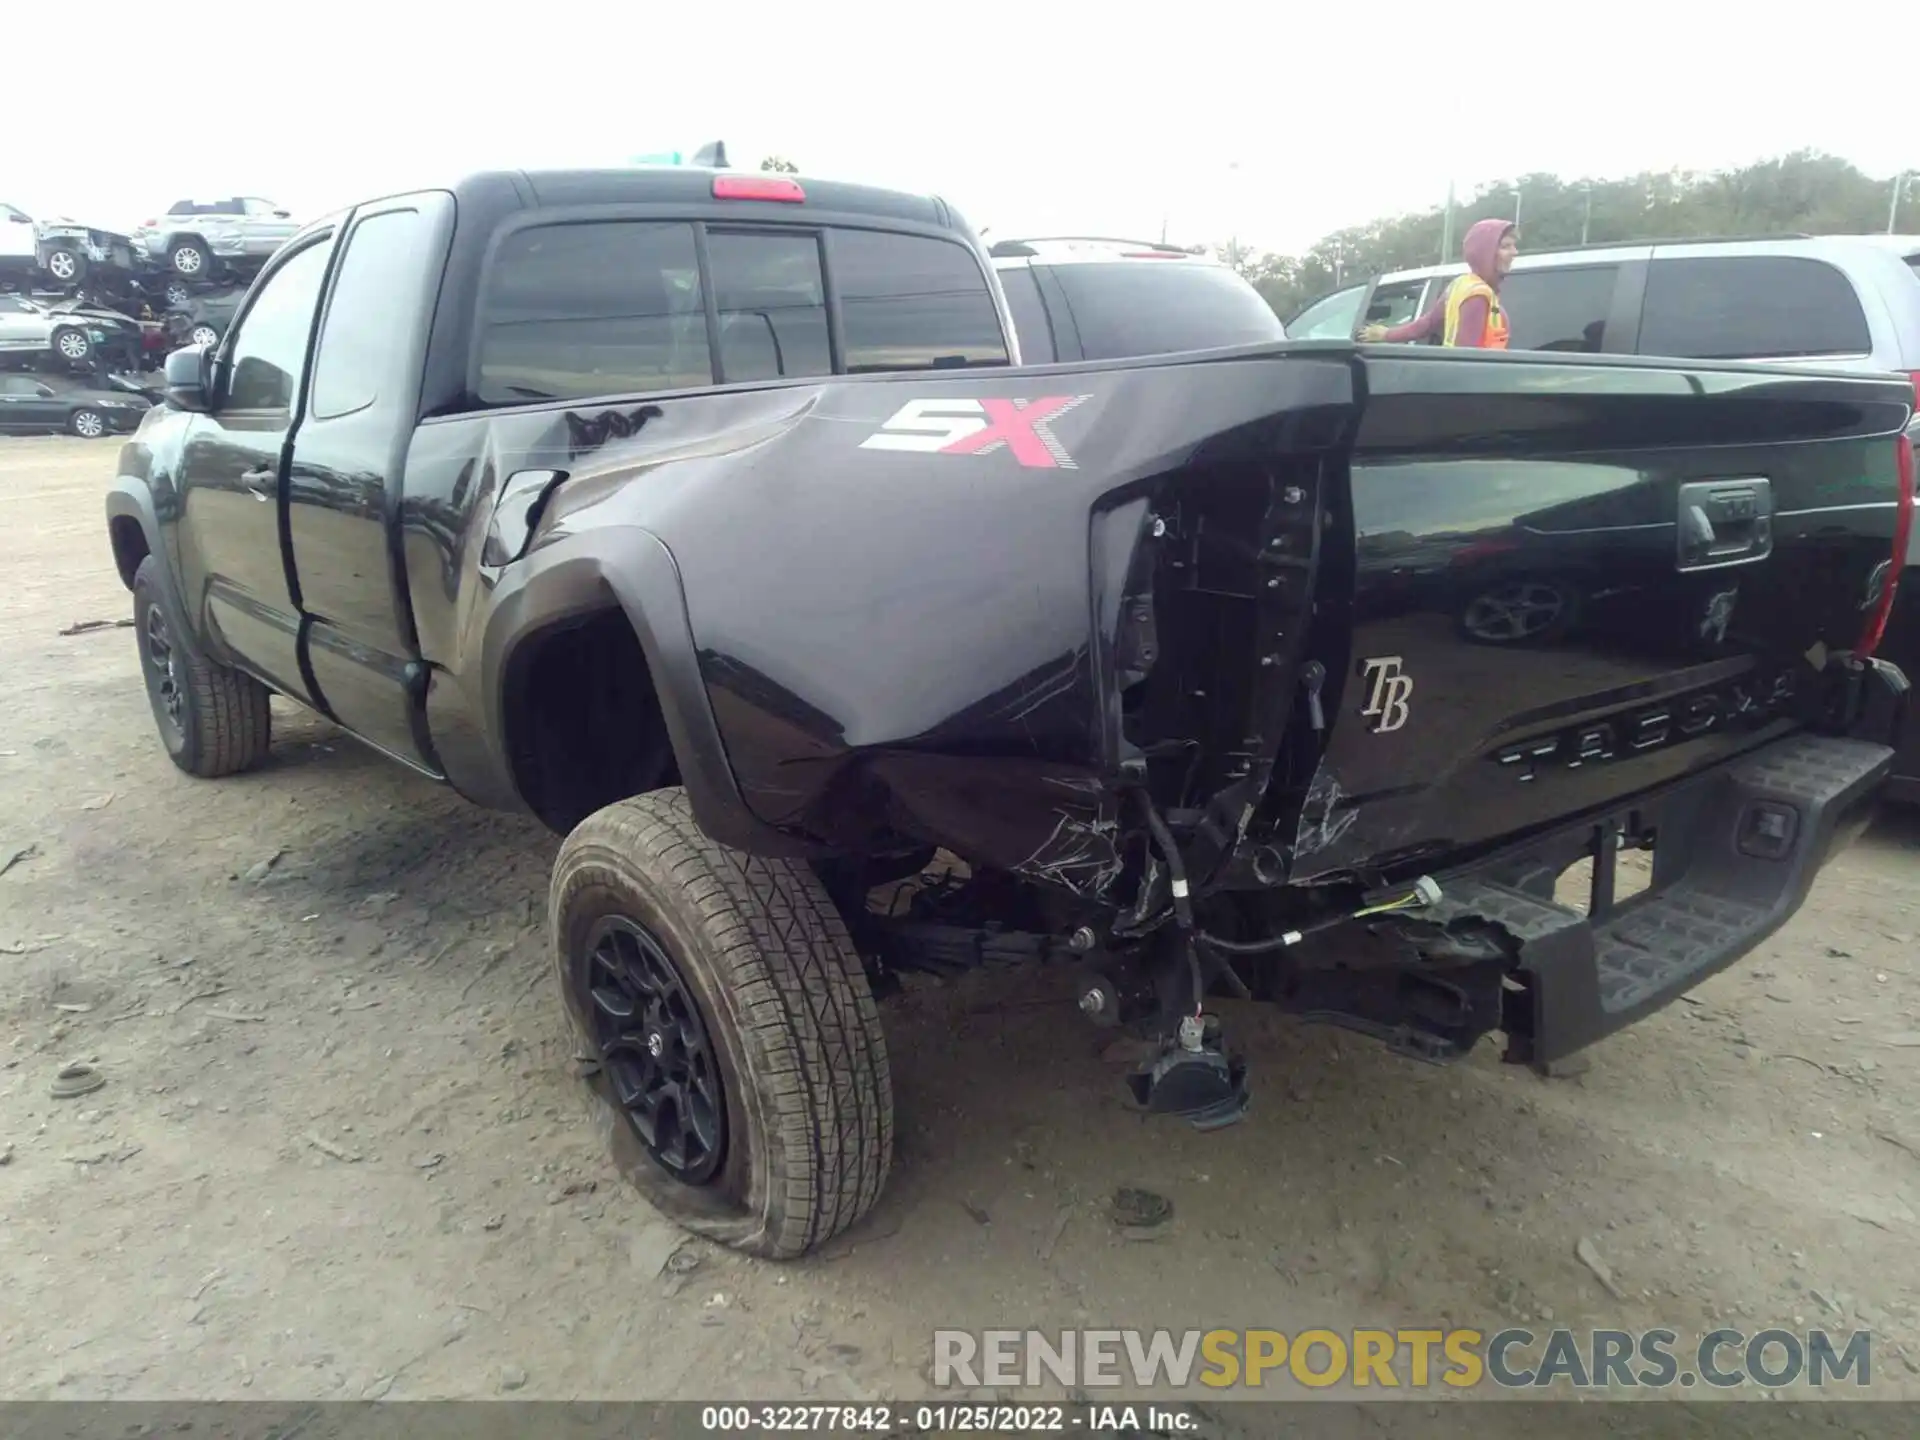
[{"x": 1802, "y": 193}]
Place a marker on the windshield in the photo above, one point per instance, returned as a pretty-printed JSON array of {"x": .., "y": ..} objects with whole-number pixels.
[{"x": 1158, "y": 307}]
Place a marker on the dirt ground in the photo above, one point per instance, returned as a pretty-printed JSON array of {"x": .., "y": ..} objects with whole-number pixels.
[{"x": 341, "y": 1152}]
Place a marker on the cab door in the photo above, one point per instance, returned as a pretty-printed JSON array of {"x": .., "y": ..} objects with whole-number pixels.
[
  {"x": 236, "y": 584},
  {"x": 344, "y": 478}
]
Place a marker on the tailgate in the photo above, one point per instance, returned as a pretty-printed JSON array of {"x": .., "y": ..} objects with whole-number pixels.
[{"x": 1573, "y": 580}]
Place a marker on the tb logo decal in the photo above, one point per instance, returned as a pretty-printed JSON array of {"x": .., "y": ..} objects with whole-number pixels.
[
  {"x": 1389, "y": 693},
  {"x": 980, "y": 427}
]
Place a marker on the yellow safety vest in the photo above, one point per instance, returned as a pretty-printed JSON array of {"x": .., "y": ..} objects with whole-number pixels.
[{"x": 1464, "y": 288}]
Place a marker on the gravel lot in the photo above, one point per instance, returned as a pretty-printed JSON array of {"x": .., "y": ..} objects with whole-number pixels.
[{"x": 340, "y": 1152}]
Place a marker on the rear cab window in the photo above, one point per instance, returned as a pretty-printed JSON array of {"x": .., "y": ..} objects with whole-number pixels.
[
  {"x": 1750, "y": 307},
  {"x": 771, "y": 296},
  {"x": 606, "y": 307},
  {"x": 908, "y": 302},
  {"x": 1162, "y": 307},
  {"x": 586, "y": 308}
]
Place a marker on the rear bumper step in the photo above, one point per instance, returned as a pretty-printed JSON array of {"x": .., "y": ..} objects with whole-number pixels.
[{"x": 1735, "y": 853}]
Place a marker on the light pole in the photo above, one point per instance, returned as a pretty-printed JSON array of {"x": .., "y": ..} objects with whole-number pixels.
[
  {"x": 1446, "y": 227},
  {"x": 1893, "y": 207},
  {"x": 1586, "y": 218},
  {"x": 1516, "y": 209}
]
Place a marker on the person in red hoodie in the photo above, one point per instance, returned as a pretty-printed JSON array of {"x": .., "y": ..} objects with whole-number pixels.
[{"x": 1469, "y": 315}]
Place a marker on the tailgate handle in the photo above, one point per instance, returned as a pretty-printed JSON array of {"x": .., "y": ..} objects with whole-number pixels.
[{"x": 1725, "y": 522}]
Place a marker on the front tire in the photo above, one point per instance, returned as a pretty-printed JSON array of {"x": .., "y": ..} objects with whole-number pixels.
[
  {"x": 87, "y": 424},
  {"x": 69, "y": 267},
  {"x": 738, "y": 1067},
  {"x": 213, "y": 720}
]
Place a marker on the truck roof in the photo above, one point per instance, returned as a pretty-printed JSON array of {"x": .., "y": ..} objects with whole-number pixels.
[{"x": 676, "y": 185}]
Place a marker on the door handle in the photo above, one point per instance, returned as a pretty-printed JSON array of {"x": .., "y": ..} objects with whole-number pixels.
[
  {"x": 1725, "y": 523},
  {"x": 262, "y": 483}
]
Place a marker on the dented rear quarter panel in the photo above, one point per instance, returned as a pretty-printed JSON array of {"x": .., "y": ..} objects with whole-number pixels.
[{"x": 893, "y": 642}]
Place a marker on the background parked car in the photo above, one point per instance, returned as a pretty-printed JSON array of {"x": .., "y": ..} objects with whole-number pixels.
[
  {"x": 32, "y": 404},
  {"x": 60, "y": 253},
  {"x": 1097, "y": 299},
  {"x": 195, "y": 236},
  {"x": 70, "y": 253},
  {"x": 19, "y": 264},
  {"x": 204, "y": 318},
  {"x": 34, "y": 332}
]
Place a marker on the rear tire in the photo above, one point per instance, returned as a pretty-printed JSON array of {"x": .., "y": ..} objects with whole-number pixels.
[
  {"x": 213, "y": 720},
  {"x": 190, "y": 258},
  {"x": 71, "y": 344},
  {"x": 774, "y": 1029}
]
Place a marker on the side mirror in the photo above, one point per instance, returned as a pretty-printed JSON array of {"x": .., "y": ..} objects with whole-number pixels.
[
  {"x": 187, "y": 379},
  {"x": 19, "y": 219},
  {"x": 283, "y": 214}
]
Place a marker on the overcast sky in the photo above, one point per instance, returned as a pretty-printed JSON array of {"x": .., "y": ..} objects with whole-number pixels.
[{"x": 1271, "y": 122}]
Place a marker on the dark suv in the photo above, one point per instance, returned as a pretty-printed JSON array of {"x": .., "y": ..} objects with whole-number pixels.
[{"x": 1093, "y": 299}]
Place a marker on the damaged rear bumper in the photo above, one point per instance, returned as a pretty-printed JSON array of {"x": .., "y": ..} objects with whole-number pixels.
[{"x": 1735, "y": 852}]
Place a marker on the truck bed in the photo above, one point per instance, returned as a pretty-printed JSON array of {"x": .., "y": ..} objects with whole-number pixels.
[{"x": 1345, "y": 612}]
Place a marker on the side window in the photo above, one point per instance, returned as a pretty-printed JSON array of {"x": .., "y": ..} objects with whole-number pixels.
[
  {"x": 11, "y": 306},
  {"x": 592, "y": 308},
  {"x": 1746, "y": 307},
  {"x": 18, "y": 385},
  {"x": 1335, "y": 317},
  {"x": 1030, "y": 321},
  {"x": 267, "y": 354},
  {"x": 773, "y": 309},
  {"x": 1396, "y": 304},
  {"x": 910, "y": 303},
  {"x": 1559, "y": 309},
  {"x": 373, "y": 285}
]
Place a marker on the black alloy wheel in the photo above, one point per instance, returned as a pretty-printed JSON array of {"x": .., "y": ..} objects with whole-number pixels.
[
  {"x": 654, "y": 1046},
  {"x": 163, "y": 674}
]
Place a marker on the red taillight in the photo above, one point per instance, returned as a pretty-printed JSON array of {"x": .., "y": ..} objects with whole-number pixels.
[
  {"x": 1482, "y": 550},
  {"x": 1876, "y": 625},
  {"x": 758, "y": 187}
]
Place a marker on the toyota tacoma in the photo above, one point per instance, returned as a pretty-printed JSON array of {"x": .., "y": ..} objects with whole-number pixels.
[{"x": 713, "y": 519}]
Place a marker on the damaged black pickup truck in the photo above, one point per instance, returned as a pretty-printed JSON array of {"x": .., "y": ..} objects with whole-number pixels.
[{"x": 712, "y": 519}]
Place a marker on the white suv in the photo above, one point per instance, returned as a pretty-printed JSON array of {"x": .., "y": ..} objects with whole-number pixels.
[
  {"x": 1076, "y": 298},
  {"x": 194, "y": 234}
]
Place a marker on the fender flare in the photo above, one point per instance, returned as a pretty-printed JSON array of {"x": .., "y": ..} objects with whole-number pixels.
[
  {"x": 632, "y": 569},
  {"x": 129, "y": 499}
]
